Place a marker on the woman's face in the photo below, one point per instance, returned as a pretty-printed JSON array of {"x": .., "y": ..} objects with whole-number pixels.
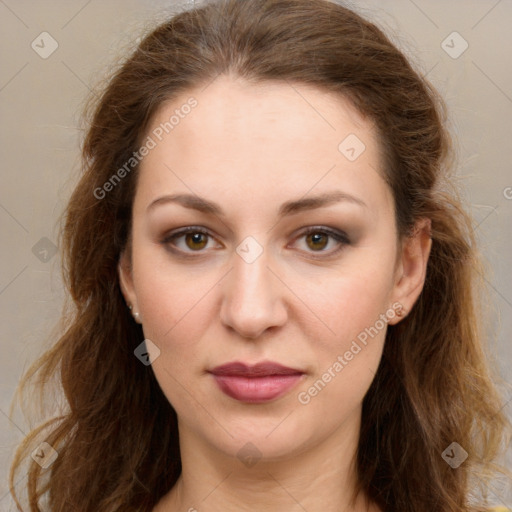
[{"x": 255, "y": 167}]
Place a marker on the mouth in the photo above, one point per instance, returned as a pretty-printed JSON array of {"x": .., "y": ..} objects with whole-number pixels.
[{"x": 258, "y": 383}]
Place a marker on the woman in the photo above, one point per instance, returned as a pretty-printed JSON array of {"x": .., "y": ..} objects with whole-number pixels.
[{"x": 273, "y": 283}]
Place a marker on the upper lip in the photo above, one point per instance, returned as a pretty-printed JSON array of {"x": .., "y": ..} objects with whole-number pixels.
[{"x": 262, "y": 369}]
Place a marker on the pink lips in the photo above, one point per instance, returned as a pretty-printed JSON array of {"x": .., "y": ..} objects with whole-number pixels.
[{"x": 262, "y": 382}]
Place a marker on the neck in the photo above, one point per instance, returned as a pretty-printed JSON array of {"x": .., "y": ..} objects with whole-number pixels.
[{"x": 319, "y": 477}]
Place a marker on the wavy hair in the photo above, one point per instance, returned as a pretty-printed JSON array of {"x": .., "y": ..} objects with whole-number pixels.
[{"x": 116, "y": 433}]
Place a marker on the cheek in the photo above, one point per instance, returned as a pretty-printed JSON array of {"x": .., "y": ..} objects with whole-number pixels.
[
  {"x": 173, "y": 310},
  {"x": 346, "y": 360},
  {"x": 170, "y": 297},
  {"x": 349, "y": 302},
  {"x": 176, "y": 317}
]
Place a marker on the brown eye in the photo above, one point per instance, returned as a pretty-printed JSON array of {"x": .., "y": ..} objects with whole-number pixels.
[
  {"x": 196, "y": 240},
  {"x": 317, "y": 240},
  {"x": 187, "y": 240},
  {"x": 193, "y": 240}
]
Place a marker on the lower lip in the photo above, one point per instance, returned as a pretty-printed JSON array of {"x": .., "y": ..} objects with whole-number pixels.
[{"x": 256, "y": 389}]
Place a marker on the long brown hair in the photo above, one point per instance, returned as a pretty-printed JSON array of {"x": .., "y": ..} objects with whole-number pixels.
[{"x": 117, "y": 437}]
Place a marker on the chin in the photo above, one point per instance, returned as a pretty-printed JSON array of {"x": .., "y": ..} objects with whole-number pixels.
[{"x": 260, "y": 438}]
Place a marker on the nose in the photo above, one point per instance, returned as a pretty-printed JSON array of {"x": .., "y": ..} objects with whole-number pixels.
[{"x": 253, "y": 297}]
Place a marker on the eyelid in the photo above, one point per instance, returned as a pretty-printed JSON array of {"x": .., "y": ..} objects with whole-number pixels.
[
  {"x": 167, "y": 238},
  {"x": 338, "y": 235},
  {"x": 334, "y": 233}
]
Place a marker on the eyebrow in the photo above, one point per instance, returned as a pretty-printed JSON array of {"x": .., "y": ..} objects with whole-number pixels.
[{"x": 288, "y": 208}]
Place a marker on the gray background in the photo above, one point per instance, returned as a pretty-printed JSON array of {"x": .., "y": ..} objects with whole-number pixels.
[{"x": 40, "y": 104}]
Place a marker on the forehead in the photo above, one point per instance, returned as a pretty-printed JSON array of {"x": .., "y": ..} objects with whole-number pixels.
[
  {"x": 292, "y": 111},
  {"x": 276, "y": 138}
]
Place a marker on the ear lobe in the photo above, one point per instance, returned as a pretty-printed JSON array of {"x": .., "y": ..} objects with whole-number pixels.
[{"x": 412, "y": 266}]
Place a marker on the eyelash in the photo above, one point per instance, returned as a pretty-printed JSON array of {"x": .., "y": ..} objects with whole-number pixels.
[{"x": 339, "y": 236}]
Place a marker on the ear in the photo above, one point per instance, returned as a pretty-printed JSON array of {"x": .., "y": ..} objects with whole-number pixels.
[
  {"x": 412, "y": 267},
  {"x": 124, "y": 269}
]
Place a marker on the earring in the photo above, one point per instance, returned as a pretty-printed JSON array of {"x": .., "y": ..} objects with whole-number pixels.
[{"x": 135, "y": 314}]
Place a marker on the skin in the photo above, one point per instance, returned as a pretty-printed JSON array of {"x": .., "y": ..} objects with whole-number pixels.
[{"x": 251, "y": 148}]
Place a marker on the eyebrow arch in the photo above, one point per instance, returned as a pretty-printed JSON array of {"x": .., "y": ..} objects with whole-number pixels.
[{"x": 288, "y": 208}]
